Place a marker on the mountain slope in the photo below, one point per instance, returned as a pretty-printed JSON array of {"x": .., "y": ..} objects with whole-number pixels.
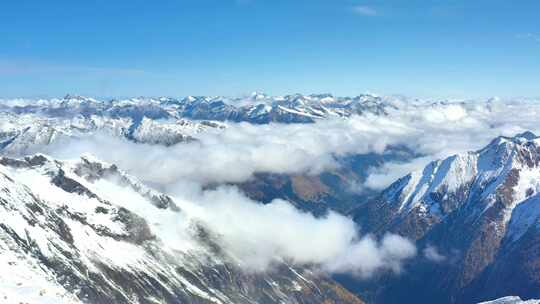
[
  {"x": 85, "y": 231},
  {"x": 477, "y": 216},
  {"x": 330, "y": 190}
]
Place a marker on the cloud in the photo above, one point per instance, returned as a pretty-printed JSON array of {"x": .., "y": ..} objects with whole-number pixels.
[
  {"x": 259, "y": 235},
  {"x": 367, "y": 256},
  {"x": 238, "y": 152},
  {"x": 255, "y": 235},
  {"x": 432, "y": 254},
  {"x": 529, "y": 36},
  {"x": 432, "y": 131},
  {"x": 365, "y": 10}
]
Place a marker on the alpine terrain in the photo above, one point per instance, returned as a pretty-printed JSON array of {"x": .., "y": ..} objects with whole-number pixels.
[
  {"x": 75, "y": 228},
  {"x": 68, "y": 237},
  {"x": 477, "y": 216}
]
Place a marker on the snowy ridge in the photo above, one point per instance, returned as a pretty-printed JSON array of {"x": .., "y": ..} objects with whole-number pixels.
[
  {"x": 480, "y": 174},
  {"x": 20, "y": 133},
  {"x": 477, "y": 214}
]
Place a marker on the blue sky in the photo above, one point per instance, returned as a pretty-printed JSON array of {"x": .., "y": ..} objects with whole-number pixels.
[{"x": 461, "y": 48}]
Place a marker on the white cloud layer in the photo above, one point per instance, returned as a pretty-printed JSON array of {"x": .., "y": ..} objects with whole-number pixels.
[
  {"x": 260, "y": 234},
  {"x": 434, "y": 131},
  {"x": 365, "y": 10},
  {"x": 432, "y": 253}
]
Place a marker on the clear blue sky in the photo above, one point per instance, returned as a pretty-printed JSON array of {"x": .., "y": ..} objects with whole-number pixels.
[{"x": 231, "y": 47}]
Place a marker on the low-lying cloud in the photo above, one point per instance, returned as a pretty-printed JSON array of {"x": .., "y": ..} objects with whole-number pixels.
[
  {"x": 260, "y": 235},
  {"x": 432, "y": 253},
  {"x": 257, "y": 234},
  {"x": 234, "y": 155}
]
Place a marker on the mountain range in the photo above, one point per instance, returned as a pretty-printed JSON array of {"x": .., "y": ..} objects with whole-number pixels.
[
  {"x": 257, "y": 108},
  {"x": 84, "y": 230}
]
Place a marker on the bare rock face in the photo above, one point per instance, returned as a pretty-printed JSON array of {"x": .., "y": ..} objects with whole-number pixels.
[{"x": 478, "y": 211}]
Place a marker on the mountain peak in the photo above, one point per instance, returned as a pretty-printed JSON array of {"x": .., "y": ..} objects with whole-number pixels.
[
  {"x": 519, "y": 138},
  {"x": 485, "y": 173},
  {"x": 258, "y": 95},
  {"x": 528, "y": 135}
]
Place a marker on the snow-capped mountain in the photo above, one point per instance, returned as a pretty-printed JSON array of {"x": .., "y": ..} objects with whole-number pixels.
[
  {"x": 478, "y": 216},
  {"x": 65, "y": 231},
  {"x": 21, "y": 133},
  {"x": 85, "y": 231},
  {"x": 28, "y": 123},
  {"x": 257, "y": 108},
  {"x": 288, "y": 109}
]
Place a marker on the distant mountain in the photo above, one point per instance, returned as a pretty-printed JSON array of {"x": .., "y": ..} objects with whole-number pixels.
[
  {"x": 65, "y": 237},
  {"x": 477, "y": 215},
  {"x": 258, "y": 108},
  {"x": 21, "y": 133}
]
